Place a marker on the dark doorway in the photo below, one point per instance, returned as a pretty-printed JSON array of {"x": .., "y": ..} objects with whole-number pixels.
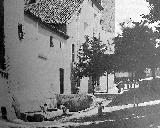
[
  {"x": 4, "y": 112},
  {"x": 61, "y": 80}
]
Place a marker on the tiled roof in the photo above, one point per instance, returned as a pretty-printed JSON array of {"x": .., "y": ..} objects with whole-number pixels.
[{"x": 53, "y": 11}]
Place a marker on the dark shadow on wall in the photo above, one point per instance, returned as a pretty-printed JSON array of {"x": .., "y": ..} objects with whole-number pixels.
[{"x": 2, "y": 46}]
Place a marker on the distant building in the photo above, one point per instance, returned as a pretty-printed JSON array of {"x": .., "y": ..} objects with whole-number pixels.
[
  {"x": 89, "y": 20},
  {"x": 119, "y": 76}
]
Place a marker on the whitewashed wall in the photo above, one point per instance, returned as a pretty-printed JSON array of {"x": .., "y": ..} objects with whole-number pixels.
[
  {"x": 5, "y": 97},
  {"x": 122, "y": 74},
  {"x": 30, "y": 77},
  {"x": 84, "y": 85},
  {"x": 103, "y": 82}
]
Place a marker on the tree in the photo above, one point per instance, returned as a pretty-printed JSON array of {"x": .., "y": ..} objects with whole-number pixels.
[
  {"x": 135, "y": 48},
  {"x": 154, "y": 14},
  {"x": 91, "y": 59}
]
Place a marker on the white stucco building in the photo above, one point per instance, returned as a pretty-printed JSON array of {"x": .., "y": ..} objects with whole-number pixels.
[
  {"x": 42, "y": 38},
  {"x": 37, "y": 54}
]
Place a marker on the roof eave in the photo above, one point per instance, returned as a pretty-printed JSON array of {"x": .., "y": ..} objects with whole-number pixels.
[{"x": 45, "y": 25}]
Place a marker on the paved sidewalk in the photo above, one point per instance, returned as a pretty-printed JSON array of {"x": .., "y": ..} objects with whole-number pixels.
[
  {"x": 109, "y": 109},
  {"x": 115, "y": 108}
]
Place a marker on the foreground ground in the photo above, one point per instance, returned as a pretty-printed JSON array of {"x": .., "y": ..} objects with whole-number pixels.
[
  {"x": 147, "y": 115},
  {"x": 120, "y": 113},
  {"x": 139, "y": 117}
]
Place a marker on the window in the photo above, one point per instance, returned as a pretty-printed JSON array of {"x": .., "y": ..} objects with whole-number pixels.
[
  {"x": 60, "y": 44},
  {"x": 51, "y": 41},
  {"x": 73, "y": 46},
  {"x": 101, "y": 22},
  {"x": 20, "y": 31}
]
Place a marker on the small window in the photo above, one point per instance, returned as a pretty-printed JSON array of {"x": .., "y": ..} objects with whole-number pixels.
[
  {"x": 101, "y": 22},
  {"x": 20, "y": 31},
  {"x": 60, "y": 44},
  {"x": 51, "y": 41}
]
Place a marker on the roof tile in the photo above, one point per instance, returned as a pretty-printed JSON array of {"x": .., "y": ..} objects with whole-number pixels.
[{"x": 53, "y": 11}]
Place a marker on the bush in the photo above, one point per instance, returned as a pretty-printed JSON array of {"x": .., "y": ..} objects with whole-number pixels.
[
  {"x": 155, "y": 85},
  {"x": 75, "y": 102},
  {"x": 148, "y": 91}
]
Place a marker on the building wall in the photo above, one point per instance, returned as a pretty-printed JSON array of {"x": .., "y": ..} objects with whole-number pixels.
[
  {"x": 5, "y": 96},
  {"x": 84, "y": 85},
  {"x": 103, "y": 82},
  {"x": 108, "y": 15},
  {"x": 83, "y": 24},
  {"x": 86, "y": 22},
  {"x": 122, "y": 74},
  {"x": 33, "y": 65}
]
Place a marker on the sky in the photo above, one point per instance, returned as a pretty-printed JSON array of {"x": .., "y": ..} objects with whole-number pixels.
[{"x": 126, "y": 9}]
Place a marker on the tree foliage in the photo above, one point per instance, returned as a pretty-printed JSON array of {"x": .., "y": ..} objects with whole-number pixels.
[
  {"x": 91, "y": 59},
  {"x": 154, "y": 14},
  {"x": 135, "y": 48}
]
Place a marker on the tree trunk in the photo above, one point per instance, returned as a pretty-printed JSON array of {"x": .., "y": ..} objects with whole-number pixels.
[
  {"x": 107, "y": 82},
  {"x": 132, "y": 80},
  {"x": 93, "y": 87},
  {"x": 153, "y": 72},
  {"x": 93, "y": 83}
]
